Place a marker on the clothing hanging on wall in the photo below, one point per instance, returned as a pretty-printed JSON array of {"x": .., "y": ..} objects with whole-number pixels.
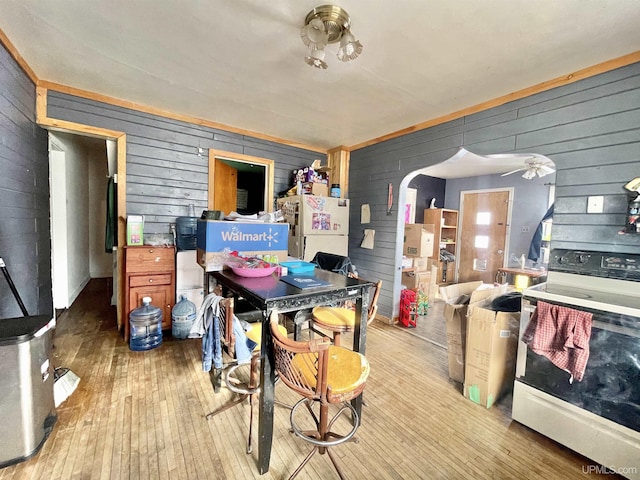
[
  {"x": 110, "y": 238},
  {"x": 536, "y": 241}
]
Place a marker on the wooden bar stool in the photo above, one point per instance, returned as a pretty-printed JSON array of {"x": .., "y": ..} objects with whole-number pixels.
[
  {"x": 323, "y": 374},
  {"x": 339, "y": 320},
  {"x": 243, "y": 385}
]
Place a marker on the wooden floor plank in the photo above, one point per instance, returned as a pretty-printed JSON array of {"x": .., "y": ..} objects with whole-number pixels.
[{"x": 142, "y": 415}]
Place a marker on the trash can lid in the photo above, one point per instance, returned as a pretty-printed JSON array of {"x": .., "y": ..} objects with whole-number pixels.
[{"x": 22, "y": 329}]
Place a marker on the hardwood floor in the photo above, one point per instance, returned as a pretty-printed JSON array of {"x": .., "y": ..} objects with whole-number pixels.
[{"x": 141, "y": 415}]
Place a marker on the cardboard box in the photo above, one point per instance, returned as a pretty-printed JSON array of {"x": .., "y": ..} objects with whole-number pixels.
[
  {"x": 422, "y": 264},
  {"x": 215, "y": 237},
  {"x": 418, "y": 240},
  {"x": 416, "y": 280},
  {"x": 458, "y": 297},
  {"x": 315, "y": 188},
  {"x": 492, "y": 343},
  {"x": 135, "y": 230}
]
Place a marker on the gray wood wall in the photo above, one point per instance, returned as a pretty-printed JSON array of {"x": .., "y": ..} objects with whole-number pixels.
[
  {"x": 590, "y": 129},
  {"x": 25, "y": 244},
  {"x": 165, "y": 173}
]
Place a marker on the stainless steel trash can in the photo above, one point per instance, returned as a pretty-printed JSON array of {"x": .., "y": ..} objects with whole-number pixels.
[{"x": 27, "y": 410}]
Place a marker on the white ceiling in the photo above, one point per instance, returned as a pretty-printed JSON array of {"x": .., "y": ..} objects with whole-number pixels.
[{"x": 240, "y": 62}]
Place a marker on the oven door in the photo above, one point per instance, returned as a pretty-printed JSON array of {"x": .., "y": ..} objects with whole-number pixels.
[{"x": 610, "y": 387}]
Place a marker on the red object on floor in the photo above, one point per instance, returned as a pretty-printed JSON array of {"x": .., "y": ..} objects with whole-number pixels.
[{"x": 408, "y": 308}]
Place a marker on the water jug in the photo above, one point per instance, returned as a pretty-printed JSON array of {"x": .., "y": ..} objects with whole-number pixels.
[
  {"x": 182, "y": 317},
  {"x": 145, "y": 324}
]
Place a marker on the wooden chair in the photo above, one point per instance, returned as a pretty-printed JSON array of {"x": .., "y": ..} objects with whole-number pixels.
[
  {"x": 339, "y": 320},
  {"x": 245, "y": 386},
  {"x": 323, "y": 374}
]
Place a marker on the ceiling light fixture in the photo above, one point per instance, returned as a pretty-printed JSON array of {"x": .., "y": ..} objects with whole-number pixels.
[{"x": 324, "y": 25}]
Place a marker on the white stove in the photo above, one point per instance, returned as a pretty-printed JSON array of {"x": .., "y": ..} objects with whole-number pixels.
[{"x": 599, "y": 416}]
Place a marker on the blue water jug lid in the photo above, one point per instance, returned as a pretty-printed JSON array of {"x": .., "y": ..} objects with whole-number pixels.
[{"x": 184, "y": 307}]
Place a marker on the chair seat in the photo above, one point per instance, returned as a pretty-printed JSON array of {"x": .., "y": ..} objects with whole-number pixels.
[
  {"x": 335, "y": 317},
  {"x": 347, "y": 370},
  {"x": 255, "y": 334}
]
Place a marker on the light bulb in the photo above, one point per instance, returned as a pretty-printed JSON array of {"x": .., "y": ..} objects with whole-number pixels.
[{"x": 350, "y": 48}]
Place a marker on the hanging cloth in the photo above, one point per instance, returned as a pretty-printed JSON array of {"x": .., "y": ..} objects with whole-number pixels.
[
  {"x": 562, "y": 335},
  {"x": 111, "y": 227}
]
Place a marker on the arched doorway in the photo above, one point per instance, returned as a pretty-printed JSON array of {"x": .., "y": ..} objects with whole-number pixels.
[{"x": 466, "y": 171}]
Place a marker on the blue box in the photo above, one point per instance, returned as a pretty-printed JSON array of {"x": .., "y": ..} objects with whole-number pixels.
[
  {"x": 299, "y": 268},
  {"x": 247, "y": 238}
]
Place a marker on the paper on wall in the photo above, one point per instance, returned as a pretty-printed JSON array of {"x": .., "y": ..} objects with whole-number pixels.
[
  {"x": 365, "y": 213},
  {"x": 367, "y": 241}
]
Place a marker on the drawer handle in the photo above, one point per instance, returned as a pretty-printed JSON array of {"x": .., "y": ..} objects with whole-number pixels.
[
  {"x": 151, "y": 250},
  {"x": 151, "y": 280},
  {"x": 157, "y": 259}
]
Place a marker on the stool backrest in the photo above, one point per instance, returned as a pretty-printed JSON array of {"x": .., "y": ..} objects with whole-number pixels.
[
  {"x": 225, "y": 325},
  {"x": 334, "y": 263},
  {"x": 373, "y": 302},
  {"x": 302, "y": 366}
]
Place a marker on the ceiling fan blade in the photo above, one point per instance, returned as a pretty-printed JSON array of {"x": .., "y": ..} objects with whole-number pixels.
[
  {"x": 546, "y": 168},
  {"x": 513, "y": 171}
]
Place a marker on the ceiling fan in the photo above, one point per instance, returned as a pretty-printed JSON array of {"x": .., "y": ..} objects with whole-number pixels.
[{"x": 533, "y": 167}]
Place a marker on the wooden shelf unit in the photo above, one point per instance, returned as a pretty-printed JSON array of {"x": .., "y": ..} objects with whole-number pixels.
[
  {"x": 445, "y": 234},
  {"x": 149, "y": 272}
]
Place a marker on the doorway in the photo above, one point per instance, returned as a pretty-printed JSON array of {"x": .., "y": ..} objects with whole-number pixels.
[
  {"x": 79, "y": 173},
  {"x": 240, "y": 183},
  {"x": 483, "y": 236},
  {"x": 468, "y": 171}
]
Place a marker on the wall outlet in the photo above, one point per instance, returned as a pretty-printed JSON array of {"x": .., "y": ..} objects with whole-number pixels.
[
  {"x": 525, "y": 229},
  {"x": 595, "y": 204}
]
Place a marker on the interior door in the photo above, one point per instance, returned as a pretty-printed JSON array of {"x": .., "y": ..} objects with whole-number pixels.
[
  {"x": 483, "y": 234},
  {"x": 225, "y": 187}
]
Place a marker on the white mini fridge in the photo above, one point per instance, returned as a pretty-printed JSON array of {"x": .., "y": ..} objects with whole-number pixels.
[
  {"x": 189, "y": 277},
  {"x": 317, "y": 224}
]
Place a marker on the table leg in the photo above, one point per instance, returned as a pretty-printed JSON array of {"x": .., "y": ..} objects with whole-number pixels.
[
  {"x": 267, "y": 380},
  {"x": 360, "y": 338}
]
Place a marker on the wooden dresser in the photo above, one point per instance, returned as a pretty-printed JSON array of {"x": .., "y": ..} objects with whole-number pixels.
[{"x": 149, "y": 272}]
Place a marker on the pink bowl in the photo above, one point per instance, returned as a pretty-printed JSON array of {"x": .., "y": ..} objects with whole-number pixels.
[{"x": 253, "y": 272}]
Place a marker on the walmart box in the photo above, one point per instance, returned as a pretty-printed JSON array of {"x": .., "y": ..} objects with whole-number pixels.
[{"x": 215, "y": 237}]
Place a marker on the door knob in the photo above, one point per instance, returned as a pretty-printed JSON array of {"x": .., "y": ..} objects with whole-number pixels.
[{"x": 500, "y": 252}]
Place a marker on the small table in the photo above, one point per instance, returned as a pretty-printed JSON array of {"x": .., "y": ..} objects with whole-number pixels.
[
  {"x": 270, "y": 293},
  {"x": 533, "y": 276}
]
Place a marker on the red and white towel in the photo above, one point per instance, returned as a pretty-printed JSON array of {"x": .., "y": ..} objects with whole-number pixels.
[{"x": 562, "y": 335}]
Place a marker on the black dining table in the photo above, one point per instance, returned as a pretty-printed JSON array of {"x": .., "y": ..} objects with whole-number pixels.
[{"x": 271, "y": 293}]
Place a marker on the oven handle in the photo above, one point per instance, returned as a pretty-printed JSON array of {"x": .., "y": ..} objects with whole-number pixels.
[
  {"x": 628, "y": 331},
  {"x": 529, "y": 304}
]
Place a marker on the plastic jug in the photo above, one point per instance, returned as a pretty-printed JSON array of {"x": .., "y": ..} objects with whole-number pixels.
[
  {"x": 145, "y": 323},
  {"x": 182, "y": 317}
]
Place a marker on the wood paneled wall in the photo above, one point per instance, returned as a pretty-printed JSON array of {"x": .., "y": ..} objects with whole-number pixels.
[
  {"x": 25, "y": 244},
  {"x": 590, "y": 129},
  {"x": 165, "y": 170}
]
